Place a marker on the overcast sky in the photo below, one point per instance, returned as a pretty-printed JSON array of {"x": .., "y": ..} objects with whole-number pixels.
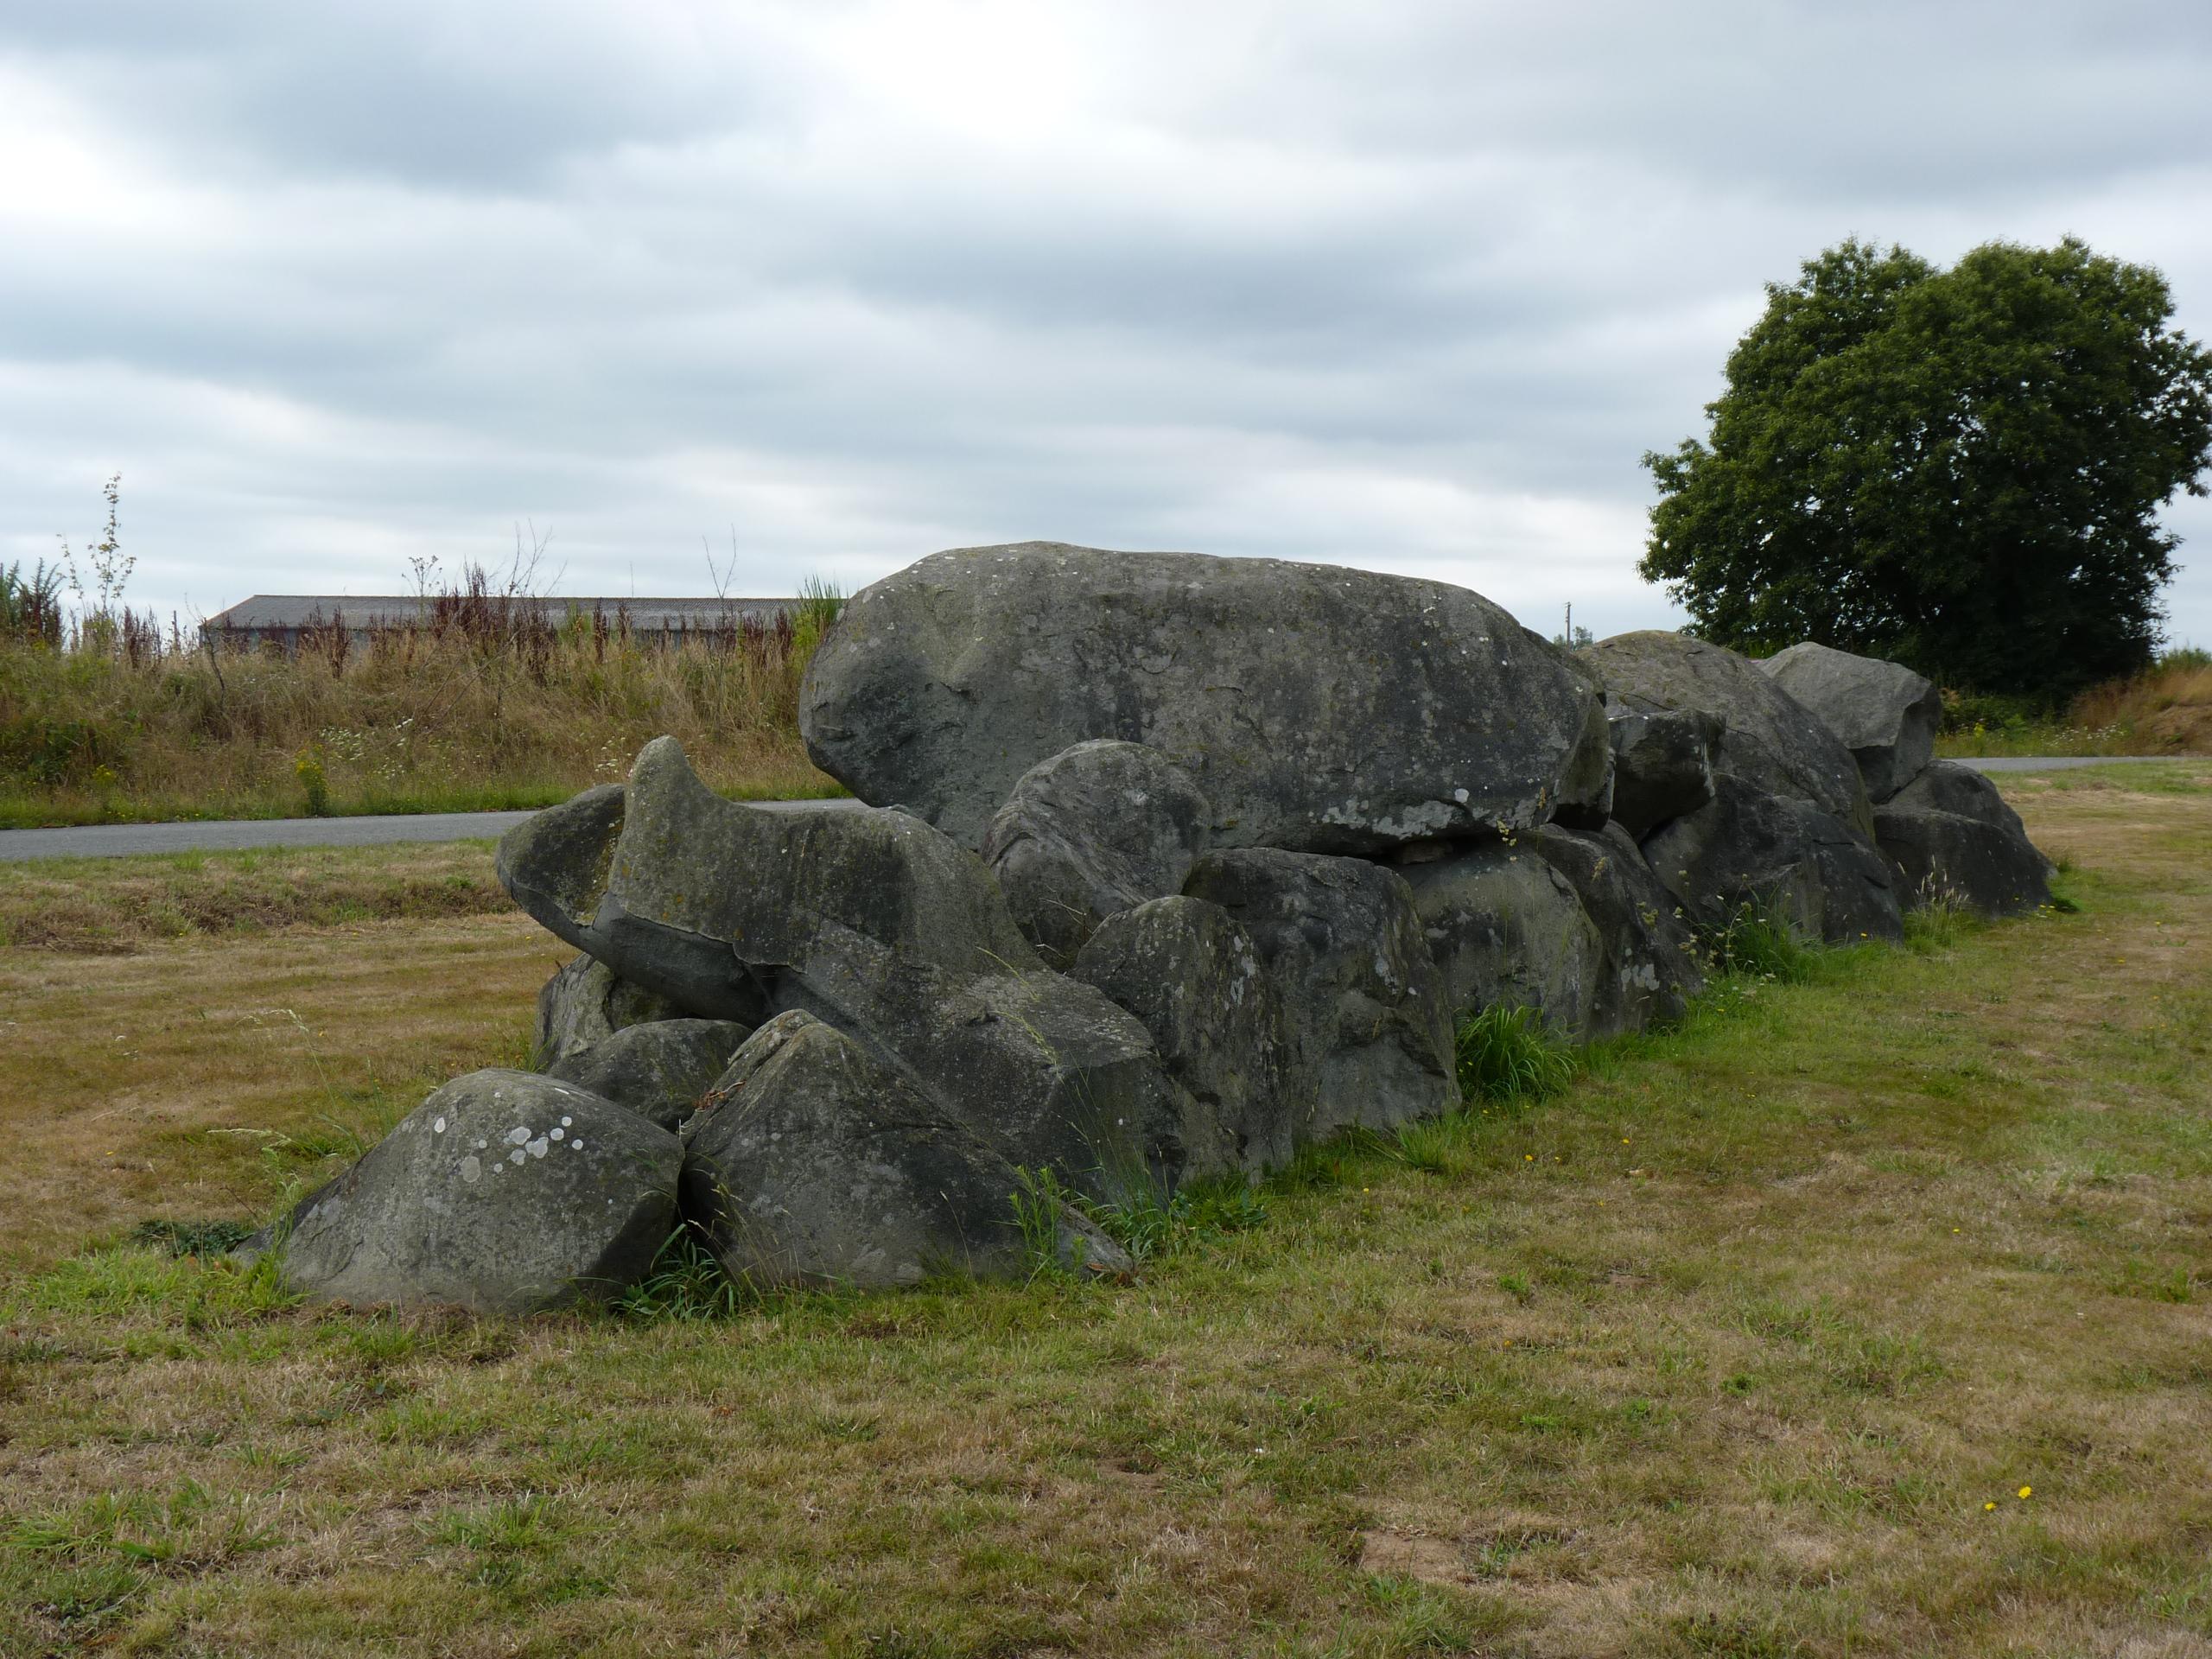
[{"x": 1407, "y": 286}]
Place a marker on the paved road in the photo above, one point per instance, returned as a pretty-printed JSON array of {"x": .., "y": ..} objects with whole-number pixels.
[
  {"x": 99, "y": 839},
  {"x": 2059, "y": 762},
  {"x": 96, "y": 840}
]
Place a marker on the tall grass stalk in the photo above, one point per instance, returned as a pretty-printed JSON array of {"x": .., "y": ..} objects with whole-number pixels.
[{"x": 1759, "y": 941}]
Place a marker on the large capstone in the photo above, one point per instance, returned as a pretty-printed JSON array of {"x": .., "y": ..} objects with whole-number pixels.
[
  {"x": 1663, "y": 764},
  {"x": 586, "y": 1002},
  {"x": 1747, "y": 849},
  {"x": 503, "y": 1192},
  {"x": 1370, "y": 1023},
  {"x": 813, "y": 1162},
  {"x": 1319, "y": 708},
  {"x": 1885, "y": 713},
  {"x": 1092, "y": 831},
  {"x": 1191, "y": 975},
  {"x": 660, "y": 1070},
  {"x": 1950, "y": 834},
  {"x": 872, "y": 921},
  {"x": 1767, "y": 737}
]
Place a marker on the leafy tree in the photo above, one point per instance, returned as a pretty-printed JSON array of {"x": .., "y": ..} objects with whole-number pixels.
[{"x": 1960, "y": 469}]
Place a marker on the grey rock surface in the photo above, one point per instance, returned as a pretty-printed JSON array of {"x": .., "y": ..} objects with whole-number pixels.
[
  {"x": 872, "y": 921},
  {"x": 1961, "y": 789},
  {"x": 586, "y": 1002},
  {"x": 1090, "y": 832},
  {"x": 1749, "y": 847},
  {"x": 708, "y": 901},
  {"x": 1951, "y": 831},
  {"x": 815, "y": 1162},
  {"x": 660, "y": 1070},
  {"x": 1506, "y": 928},
  {"x": 1319, "y": 708},
  {"x": 1768, "y": 738},
  {"x": 1649, "y": 962},
  {"x": 1885, "y": 713},
  {"x": 1370, "y": 1026},
  {"x": 503, "y": 1192},
  {"x": 1186, "y": 970},
  {"x": 1663, "y": 764},
  {"x": 1585, "y": 790},
  {"x": 1991, "y": 871}
]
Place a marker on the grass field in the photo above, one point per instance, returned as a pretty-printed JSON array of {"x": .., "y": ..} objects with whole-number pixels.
[{"x": 1863, "y": 1315}]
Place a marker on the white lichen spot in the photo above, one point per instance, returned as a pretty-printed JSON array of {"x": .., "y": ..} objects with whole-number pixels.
[
  {"x": 472, "y": 1169},
  {"x": 480, "y": 1144},
  {"x": 516, "y": 1156},
  {"x": 439, "y": 1126},
  {"x": 566, "y": 1122},
  {"x": 536, "y": 1148},
  {"x": 576, "y": 1146},
  {"x": 1460, "y": 796},
  {"x": 556, "y": 1133},
  {"x": 517, "y": 1135}
]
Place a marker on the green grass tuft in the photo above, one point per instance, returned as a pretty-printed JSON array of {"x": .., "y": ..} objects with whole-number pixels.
[
  {"x": 1939, "y": 919},
  {"x": 1760, "y": 940},
  {"x": 192, "y": 1237},
  {"x": 687, "y": 1284},
  {"x": 1509, "y": 1053},
  {"x": 1038, "y": 1203},
  {"x": 1148, "y": 1225}
]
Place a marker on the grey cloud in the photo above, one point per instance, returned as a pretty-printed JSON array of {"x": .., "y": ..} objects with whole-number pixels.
[{"x": 1412, "y": 287}]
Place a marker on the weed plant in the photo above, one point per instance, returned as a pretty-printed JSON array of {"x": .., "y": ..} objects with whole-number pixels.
[
  {"x": 1940, "y": 918},
  {"x": 1759, "y": 941}
]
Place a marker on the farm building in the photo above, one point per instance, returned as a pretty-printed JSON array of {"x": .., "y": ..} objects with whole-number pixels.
[{"x": 280, "y": 619}]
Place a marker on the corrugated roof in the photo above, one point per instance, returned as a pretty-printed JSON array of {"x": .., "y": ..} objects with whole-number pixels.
[{"x": 272, "y": 611}]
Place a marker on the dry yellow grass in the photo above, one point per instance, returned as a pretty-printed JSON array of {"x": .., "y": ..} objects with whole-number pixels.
[
  {"x": 123, "y": 904},
  {"x": 1747, "y": 1344},
  {"x": 413, "y": 722},
  {"x": 189, "y": 1080},
  {"x": 2167, "y": 711}
]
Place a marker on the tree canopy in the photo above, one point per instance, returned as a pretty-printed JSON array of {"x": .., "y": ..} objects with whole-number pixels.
[{"x": 1961, "y": 469}]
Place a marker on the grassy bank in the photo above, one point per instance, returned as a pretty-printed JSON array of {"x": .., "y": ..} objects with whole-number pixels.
[
  {"x": 1862, "y": 1315},
  {"x": 2166, "y": 710},
  {"x": 121, "y": 725}
]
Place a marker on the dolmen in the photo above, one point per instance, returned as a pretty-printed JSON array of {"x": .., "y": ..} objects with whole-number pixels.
[{"x": 1159, "y": 868}]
